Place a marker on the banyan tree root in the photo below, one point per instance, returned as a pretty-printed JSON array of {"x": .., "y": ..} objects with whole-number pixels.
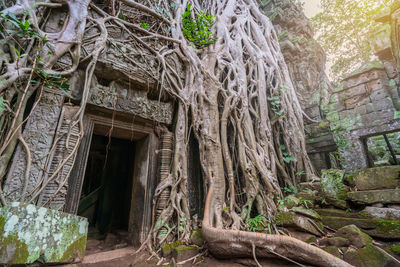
[
  {"x": 239, "y": 244},
  {"x": 235, "y": 96}
]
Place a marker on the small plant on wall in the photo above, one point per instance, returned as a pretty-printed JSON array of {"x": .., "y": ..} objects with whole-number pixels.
[{"x": 196, "y": 27}]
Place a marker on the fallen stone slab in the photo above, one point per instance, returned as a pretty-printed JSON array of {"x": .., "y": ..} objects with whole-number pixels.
[
  {"x": 386, "y": 196},
  {"x": 378, "y": 228},
  {"x": 29, "y": 233},
  {"x": 334, "y": 241},
  {"x": 380, "y": 213},
  {"x": 107, "y": 256},
  {"x": 370, "y": 256},
  {"x": 314, "y": 186},
  {"x": 387, "y": 177},
  {"x": 306, "y": 212},
  {"x": 354, "y": 234},
  {"x": 337, "y": 213},
  {"x": 299, "y": 222}
]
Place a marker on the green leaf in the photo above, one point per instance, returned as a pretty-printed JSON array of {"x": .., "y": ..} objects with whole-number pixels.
[
  {"x": 121, "y": 16},
  {"x": 144, "y": 25},
  {"x": 17, "y": 52}
]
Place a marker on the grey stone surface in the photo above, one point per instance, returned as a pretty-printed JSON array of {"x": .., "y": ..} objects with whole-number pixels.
[
  {"x": 356, "y": 237},
  {"x": 382, "y": 213},
  {"x": 29, "y": 233},
  {"x": 39, "y": 134},
  {"x": 387, "y": 177},
  {"x": 388, "y": 196},
  {"x": 131, "y": 101}
]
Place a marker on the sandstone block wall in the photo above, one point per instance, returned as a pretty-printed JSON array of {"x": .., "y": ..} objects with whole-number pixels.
[{"x": 367, "y": 104}]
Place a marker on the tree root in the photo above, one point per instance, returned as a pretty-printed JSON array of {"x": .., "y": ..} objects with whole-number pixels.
[{"x": 236, "y": 244}]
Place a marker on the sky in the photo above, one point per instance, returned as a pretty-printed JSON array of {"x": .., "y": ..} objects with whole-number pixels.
[{"x": 311, "y": 7}]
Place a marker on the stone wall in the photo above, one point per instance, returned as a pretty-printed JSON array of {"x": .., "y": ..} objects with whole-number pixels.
[
  {"x": 129, "y": 86},
  {"x": 365, "y": 105}
]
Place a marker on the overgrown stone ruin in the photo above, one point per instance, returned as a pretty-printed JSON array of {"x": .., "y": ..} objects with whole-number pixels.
[{"x": 235, "y": 147}]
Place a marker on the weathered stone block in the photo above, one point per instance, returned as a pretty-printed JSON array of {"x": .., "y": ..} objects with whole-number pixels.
[
  {"x": 370, "y": 108},
  {"x": 369, "y": 256},
  {"x": 383, "y": 104},
  {"x": 357, "y": 90},
  {"x": 337, "y": 213},
  {"x": 356, "y": 237},
  {"x": 380, "y": 213},
  {"x": 356, "y": 101},
  {"x": 335, "y": 241},
  {"x": 29, "y": 233},
  {"x": 291, "y": 201},
  {"x": 361, "y": 110},
  {"x": 298, "y": 222},
  {"x": 387, "y": 177},
  {"x": 307, "y": 212},
  {"x": 333, "y": 250},
  {"x": 379, "y": 94},
  {"x": 364, "y": 77},
  {"x": 314, "y": 186},
  {"x": 196, "y": 237},
  {"x": 387, "y": 196},
  {"x": 385, "y": 229},
  {"x": 332, "y": 184}
]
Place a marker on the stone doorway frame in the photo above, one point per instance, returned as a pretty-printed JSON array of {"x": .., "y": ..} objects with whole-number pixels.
[{"x": 145, "y": 166}]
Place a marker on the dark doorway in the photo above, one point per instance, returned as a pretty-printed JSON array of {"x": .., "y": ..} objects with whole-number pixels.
[{"x": 107, "y": 187}]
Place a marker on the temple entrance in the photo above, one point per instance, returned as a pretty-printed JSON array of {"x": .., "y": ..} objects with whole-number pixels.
[
  {"x": 113, "y": 179},
  {"x": 107, "y": 193},
  {"x": 107, "y": 187}
]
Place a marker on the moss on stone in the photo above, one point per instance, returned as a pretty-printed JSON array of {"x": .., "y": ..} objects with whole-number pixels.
[
  {"x": 349, "y": 180},
  {"x": 307, "y": 212},
  {"x": 332, "y": 250},
  {"x": 75, "y": 250},
  {"x": 394, "y": 250},
  {"x": 386, "y": 177},
  {"x": 337, "y": 203},
  {"x": 336, "y": 213},
  {"x": 168, "y": 248},
  {"x": 284, "y": 218},
  {"x": 356, "y": 237},
  {"x": 291, "y": 201},
  {"x": 392, "y": 228},
  {"x": 20, "y": 249},
  {"x": 332, "y": 184},
  {"x": 197, "y": 237},
  {"x": 182, "y": 248},
  {"x": 2, "y": 223},
  {"x": 369, "y": 256}
]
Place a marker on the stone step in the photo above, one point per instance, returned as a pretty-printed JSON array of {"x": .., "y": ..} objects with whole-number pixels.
[
  {"x": 381, "y": 213},
  {"x": 337, "y": 213},
  {"x": 378, "y": 228},
  {"x": 386, "y": 196},
  {"x": 387, "y": 177}
]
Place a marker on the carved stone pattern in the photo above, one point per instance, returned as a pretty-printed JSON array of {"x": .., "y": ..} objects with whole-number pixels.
[
  {"x": 54, "y": 194},
  {"x": 39, "y": 134}
]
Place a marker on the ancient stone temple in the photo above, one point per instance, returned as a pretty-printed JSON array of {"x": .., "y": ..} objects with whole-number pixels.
[
  {"x": 113, "y": 178},
  {"x": 163, "y": 150}
]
